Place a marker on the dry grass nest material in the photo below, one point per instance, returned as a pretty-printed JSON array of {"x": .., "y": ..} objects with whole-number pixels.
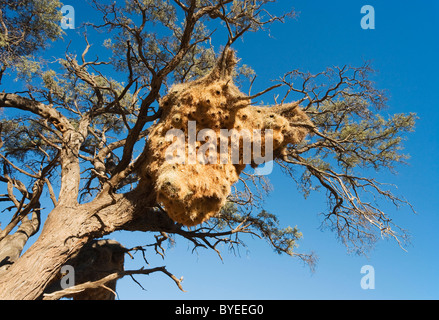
[{"x": 191, "y": 193}]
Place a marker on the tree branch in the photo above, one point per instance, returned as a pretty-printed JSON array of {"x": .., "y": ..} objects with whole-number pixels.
[{"x": 71, "y": 291}]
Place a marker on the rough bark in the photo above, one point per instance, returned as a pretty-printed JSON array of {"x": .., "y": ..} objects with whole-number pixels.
[
  {"x": 13, "y": 244},
  {"x": 94, "y": 262},
  {"x": 68, "y": 229}
]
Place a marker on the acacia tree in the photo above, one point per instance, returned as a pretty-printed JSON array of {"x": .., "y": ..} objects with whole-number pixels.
[{"x": 70, "y": 159}]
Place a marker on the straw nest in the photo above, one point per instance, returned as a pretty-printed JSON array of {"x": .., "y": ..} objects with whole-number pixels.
[{"x": 192, "y": 179}]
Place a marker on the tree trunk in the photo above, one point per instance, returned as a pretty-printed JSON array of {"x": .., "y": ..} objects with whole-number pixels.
[
  {"x": 97, "y": 260},
  {"x": 69, "y": 228},
  {"x": 59, "y": 240}
]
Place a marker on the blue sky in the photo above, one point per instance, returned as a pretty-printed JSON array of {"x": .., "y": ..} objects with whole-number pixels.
[{"x": 404, "y": 49}]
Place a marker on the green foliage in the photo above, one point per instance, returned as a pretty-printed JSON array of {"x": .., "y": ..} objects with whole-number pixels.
[
  {"x": 28, "y": 25},
  {"x": 352, "y": 140},
  {"x": 364, "y": 139},
  {"x": 26, "y": 141},
  {"x": 263, "y": 225}
]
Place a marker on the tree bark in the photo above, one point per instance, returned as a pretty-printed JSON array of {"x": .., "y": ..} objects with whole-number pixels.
[
  {"x": 12, "y": 245},
  {"x": 69, "y": 228},
  {"x": 97, "y": 260}
]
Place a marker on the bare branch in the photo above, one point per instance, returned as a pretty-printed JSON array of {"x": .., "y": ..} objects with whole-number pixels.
[
  {"x": 10, "y": 100},
  {"x": 114, "y": 276}
]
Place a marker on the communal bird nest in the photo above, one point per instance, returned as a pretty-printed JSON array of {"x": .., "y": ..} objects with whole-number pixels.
[{"x": 207, "y": 134}]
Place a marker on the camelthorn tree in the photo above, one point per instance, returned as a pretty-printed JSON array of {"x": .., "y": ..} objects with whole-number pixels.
[{"x": 81, "y": 141}]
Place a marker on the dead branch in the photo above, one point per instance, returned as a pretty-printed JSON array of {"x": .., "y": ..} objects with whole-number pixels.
[{"x": 71, "y": 291}]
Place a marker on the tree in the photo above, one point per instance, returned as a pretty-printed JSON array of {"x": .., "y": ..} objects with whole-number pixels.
[{"x": 88, "y": 141}]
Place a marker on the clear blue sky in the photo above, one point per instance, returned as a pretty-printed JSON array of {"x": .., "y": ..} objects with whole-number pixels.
[{"x": 404, "y": 49}]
